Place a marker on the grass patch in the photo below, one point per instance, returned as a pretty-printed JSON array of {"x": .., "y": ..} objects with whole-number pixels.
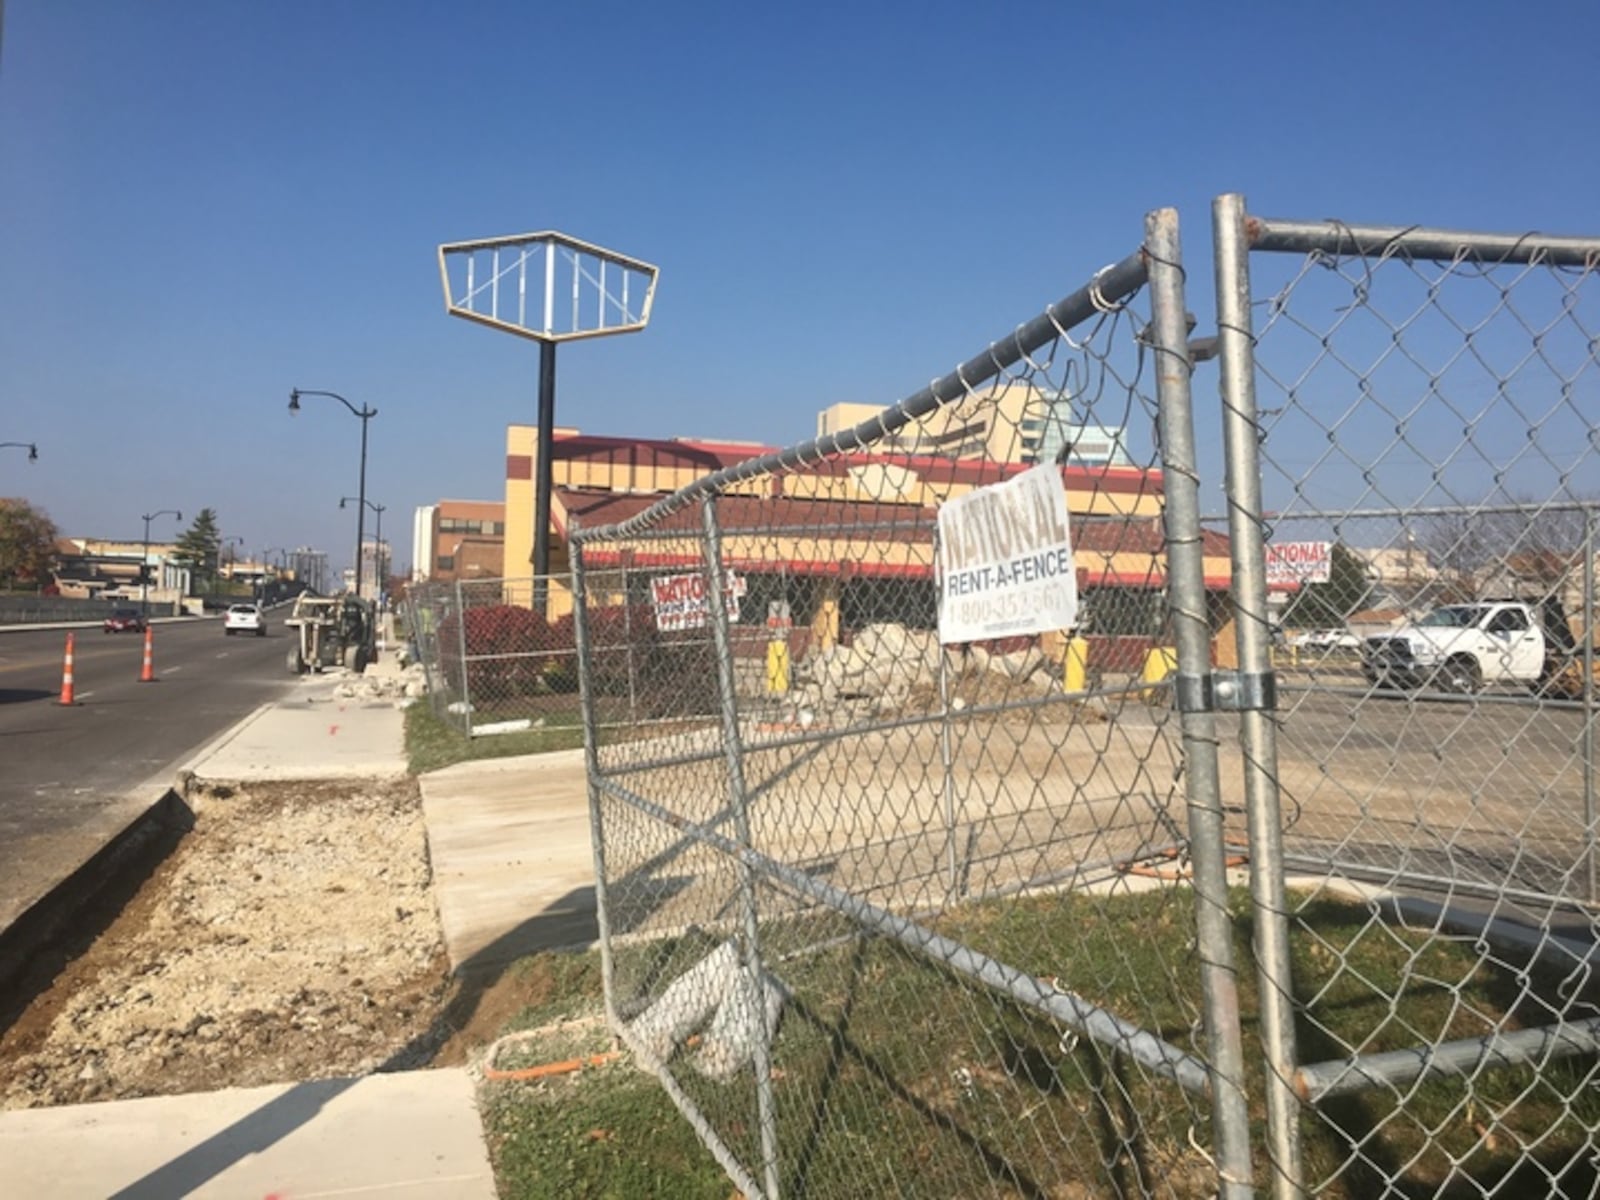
[
  {"x": 897, "y": 1077},
  {"x": 605, "y": 1132},
  {"x": 431, "y": 743}
]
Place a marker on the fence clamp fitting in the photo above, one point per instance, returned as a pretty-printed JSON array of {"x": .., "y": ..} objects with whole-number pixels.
[
  {"x": 1237, "y": 691},
  {"x": 1226, "y": 691}
]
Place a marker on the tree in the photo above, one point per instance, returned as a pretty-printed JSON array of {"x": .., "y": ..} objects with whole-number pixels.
[
  {"x": 197, "y": 549},
  {"x": 1319, "y": 605},
  {"x": 27, "y": 544},
  {"x": 1509, "y": 545}
]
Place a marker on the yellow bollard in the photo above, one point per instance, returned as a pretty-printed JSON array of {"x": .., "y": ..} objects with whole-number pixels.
[
  {"x": 1075, "y": 665},
  {"x": 777, "y": 668},
  {"x": 1159, "y": 663}
]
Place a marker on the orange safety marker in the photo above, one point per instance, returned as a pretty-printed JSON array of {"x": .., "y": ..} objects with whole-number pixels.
[
  {"x": 148, "y": 673},
  {"x": 66, "y": 674}
]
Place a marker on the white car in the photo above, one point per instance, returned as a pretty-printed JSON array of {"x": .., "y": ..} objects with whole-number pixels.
[
  {"x": 1328, "y": 639},
  {"x": 244, "y": 618}
]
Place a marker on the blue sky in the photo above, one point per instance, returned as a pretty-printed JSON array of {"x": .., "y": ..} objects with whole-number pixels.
[{"x": 206, "y": 202}]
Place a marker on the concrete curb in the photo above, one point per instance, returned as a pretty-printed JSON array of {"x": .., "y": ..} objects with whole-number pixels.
[
  {"x": 108, "y": 878},
  {"x": 113, "y": 874},
  {"x": 46, "y": 627}
]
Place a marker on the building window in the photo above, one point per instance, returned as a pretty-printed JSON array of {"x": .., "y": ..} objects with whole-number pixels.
[{"x": 446, "y": 562}]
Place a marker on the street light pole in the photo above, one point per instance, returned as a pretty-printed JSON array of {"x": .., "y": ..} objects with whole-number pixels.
[
  {"x": 377, "y": 550},
  {"x": 365, "y": 413},
  {"x": 266, "y": 560},
  {"x": 31, "y": 448},
  {"x": 233, "y": 560},
  {"x": 144, "y": 563}
]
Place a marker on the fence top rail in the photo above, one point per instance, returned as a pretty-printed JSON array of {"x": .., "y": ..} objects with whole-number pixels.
[
  {"x": 1400, "y": 512},
  {"x": 1419, "y": 242},
  {"x": 1103, "y": 293}
]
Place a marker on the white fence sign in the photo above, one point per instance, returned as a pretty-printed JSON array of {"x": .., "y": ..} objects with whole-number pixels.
[
  {"x": 1293, "y": 563},
  {"x": 1005, "y": 560},
  {"x": 680, "y": 600}
]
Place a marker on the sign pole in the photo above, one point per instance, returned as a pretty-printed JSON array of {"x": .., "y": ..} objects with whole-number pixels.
[{"x": 542, "y": 488}]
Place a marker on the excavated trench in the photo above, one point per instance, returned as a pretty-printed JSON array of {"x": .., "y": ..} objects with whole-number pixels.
[{"x": 291, "y": 934}]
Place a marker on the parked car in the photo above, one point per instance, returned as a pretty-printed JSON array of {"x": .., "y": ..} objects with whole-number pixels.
[
  {"x": 125, "y": 620},
  {"x": 1328, "y": 639},
  {"x": 244, "y": 618},
  {"x": 1460, "y": 647}
]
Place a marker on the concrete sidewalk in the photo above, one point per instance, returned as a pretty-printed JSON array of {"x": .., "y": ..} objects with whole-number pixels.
[
  {"x": 313, "y": 733},
  {"x": 413, "y": 1134},
  {"x": 512, "y": 860},
  {"x": 509, "y": 842}
]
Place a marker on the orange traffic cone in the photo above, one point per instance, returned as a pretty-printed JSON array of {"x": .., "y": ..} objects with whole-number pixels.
[
  {"x": 148, "y": 673},
  {"x": 66, "y": 674}
]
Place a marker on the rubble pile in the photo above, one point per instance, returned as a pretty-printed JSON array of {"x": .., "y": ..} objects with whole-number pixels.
[
  {"x": 405, "y": 688},
  {"x": 888, "y": 668}
]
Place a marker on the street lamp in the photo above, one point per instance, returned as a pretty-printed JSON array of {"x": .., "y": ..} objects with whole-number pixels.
[
  {"x": 377, "y": 553},
  {"x": 144, "y": 565},
  {"x": 266, "y": 559},
  {"x": 33, "y": 450},
  {"x": 221, "y": 542},
  {"x": 366, "y": 414}
]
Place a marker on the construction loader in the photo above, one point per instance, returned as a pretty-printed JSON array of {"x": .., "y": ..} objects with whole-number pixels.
[
  {"x": 332, "y": 631},
  {"x": 1562, "y": 677}
]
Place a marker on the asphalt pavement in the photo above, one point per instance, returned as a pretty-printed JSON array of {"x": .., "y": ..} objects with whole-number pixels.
[{"x": 74, "y": 776}]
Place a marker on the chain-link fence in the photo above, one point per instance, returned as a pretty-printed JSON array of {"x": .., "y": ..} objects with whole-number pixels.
[
  {"x": 495, "y": 665},
  {"x": 921, "y": 873},
  {"x": 1426, "y": 484},
  {"x": 896, "y": 912}
]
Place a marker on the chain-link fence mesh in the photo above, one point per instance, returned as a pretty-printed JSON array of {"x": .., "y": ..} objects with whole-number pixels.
[
  {"x": 896, "y": 913},
  {"x": 897, "y": 917},
  {"x": 1425, "y": 407},
  {"x": 495, "y": 665}
]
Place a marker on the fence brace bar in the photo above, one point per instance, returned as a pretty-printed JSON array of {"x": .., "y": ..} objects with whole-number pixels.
[
  {"x": 1072, "y": 1010},
  {"x": 717, "y": 613}
]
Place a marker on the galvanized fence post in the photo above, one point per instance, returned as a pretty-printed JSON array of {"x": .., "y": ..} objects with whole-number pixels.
[
  {"x": 1258, "y": 734},
  {"x": 1592, "y": 869},
  {"x": 1192, "y": 635},
  {"x": 466, "y": 673},
  {"x": 627, "y": 634},
  {"x": 947, "y": 764},
  {"x": 591, "y": 757},
  {"x": 727, "y": 681}
]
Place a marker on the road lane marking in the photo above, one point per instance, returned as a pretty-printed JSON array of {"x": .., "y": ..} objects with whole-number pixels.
[{"x": 172, "y": 670}]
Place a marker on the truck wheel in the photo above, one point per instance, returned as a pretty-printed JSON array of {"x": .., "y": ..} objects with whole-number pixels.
[{"x": 1461, "y": 675}]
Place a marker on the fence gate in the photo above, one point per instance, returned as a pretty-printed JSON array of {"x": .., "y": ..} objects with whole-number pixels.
[
  {"x": 890, "y": 916},
  {"x": 1412, "y": 412}
]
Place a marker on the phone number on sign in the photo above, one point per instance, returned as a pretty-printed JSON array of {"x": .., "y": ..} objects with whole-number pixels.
[{"x": 999, "y": 609}]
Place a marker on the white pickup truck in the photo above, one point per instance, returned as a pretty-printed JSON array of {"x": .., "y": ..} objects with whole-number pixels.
[{"x": 1460, "y": 648}]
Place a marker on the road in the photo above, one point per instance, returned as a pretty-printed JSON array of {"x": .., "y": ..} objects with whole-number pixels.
[{"x": 74, "y": 776}]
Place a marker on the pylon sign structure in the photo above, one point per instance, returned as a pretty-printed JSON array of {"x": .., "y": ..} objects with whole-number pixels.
[{"x": 578, "y": 290}]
